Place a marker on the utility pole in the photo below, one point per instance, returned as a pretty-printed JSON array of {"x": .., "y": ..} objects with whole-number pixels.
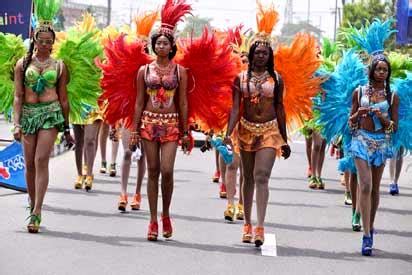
[
  {"x": 336, "y": 20},
  {"x": 109, "y": 11},
  {"x": 289, "y": 12}
]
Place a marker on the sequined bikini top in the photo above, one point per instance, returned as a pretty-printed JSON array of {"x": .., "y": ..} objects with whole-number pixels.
[
  {"x": 40, "y": 76},
  {"x": 262, "y": 85},
  {"x": 383, "y": 106},
  {"x": 161, "y": 84},
  {"x": 156, "y": 78}
]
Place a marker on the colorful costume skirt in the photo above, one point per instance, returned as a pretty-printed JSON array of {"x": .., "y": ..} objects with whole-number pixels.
[
  {"x": 43, "y": 115},
  {"x": 255, "y": 136},
  {"x": 374, "y": 148},
  {"x": 160, "y": 127}
]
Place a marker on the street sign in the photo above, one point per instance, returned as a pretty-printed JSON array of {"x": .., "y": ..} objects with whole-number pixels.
[{"x": 15, "y": 17}]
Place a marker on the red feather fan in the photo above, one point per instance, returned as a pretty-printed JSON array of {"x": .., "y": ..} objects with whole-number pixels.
[
  {"x": 122, "y": 63},
  {"x": 212, "y": 69}
]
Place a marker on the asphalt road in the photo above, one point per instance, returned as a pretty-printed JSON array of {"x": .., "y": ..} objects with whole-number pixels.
[{"x": 83, "y": 233}]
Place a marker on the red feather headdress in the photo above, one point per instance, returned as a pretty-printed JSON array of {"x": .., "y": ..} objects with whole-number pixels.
[{"x": 171, "y": 13}]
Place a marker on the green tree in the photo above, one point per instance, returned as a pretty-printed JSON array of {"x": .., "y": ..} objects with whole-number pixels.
[
  {"x": 359, "y": 13},
  {"x": 194, "y": 26}
]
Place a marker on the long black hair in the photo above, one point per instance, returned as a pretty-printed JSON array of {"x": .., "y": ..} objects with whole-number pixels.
[
  {"x": 29, "y": 55},
  {"x": 171, "y": 40},
  {"x": 270, "y": 65},
  {"x": 372, "y": 67}
]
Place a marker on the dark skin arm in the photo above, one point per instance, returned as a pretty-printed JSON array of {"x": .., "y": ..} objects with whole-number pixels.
[
  {"x": 64, "y": 103},
  {"x": 234, "y": 113},
  {"x": 139, "y": 106},
  {"x": 281, "y": 118},
  {"x": 18, "y": 98},
  {"x": 183, "y": 106}
]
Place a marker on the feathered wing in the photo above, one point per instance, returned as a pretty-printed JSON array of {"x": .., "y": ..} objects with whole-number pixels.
[
  {"x": 11, "y": 50},
  {"x": 212, "y": 68},
  {"x": 372, "y": 38},
  {"x": 78, "y": 52},
  {"x": 297, "y": 65},
  {"x": 336, "y": 106},
  {"x": 120, "y": 68},
  {"x": 403, "y": 135}
]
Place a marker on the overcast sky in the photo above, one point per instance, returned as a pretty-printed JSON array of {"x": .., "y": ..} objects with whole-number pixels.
[{"x": 228, "y": 13}]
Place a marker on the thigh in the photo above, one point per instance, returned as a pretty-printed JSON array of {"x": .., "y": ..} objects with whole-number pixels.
[
  {"x": 152, "y": 149},
  {"x": 364, "y": 171},
  {"x": 78, "y": 131},
  {"x": 125, "y": 136},
  {"x": 168, "y": 156},
  {"x": 91, "y": 130},
  {"x": 264, "y": 160},
  {"x": 248, "y": 163},
  {"x": 29, "y": 148},
  {"x": 377, "y": 176},
  {"x": 45, "y": 143}
]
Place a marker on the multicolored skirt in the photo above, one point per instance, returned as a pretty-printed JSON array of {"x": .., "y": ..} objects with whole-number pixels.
[
  {"x": 42, "y": 115},
  {"x": 160, "y": 127},
  {"x": 374, "y": 148}
]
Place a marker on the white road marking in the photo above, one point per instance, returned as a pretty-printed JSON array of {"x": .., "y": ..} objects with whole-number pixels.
[{"x": 269, "y": 246}]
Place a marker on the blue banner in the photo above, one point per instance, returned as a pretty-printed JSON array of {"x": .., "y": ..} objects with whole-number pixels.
[
  {"x": 15, "y": 17},
  {"x": 12, "y": 167}
]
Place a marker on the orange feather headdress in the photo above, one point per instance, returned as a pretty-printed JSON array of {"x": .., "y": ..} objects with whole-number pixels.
[
  {"x": 172, "y": 13},
  {"x": 144, "y": 24},
  {"x": 266, "y": 19}
]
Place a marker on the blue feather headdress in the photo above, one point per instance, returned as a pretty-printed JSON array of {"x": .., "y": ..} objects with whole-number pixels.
[{"x": 372, "y": 38}]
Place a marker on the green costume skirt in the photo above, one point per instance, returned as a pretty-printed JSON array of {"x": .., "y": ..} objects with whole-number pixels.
[{"x": 43, "y": 115}]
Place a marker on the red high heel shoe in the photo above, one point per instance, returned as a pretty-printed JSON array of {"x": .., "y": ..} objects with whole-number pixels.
[
  {"x": 153, "y": 231},
  {"x": 167, "y": 227}
]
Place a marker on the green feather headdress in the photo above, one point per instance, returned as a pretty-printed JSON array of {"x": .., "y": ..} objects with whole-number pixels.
[{"x": 44, "y": 13}]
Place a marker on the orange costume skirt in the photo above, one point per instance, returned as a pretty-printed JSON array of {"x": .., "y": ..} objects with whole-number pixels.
[
  {"x": 255, "y": 136},
  {"x": 160, "y": 127}
]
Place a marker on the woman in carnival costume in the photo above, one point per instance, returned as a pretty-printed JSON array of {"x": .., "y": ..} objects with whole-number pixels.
[
  {"x": 158, "y": 98},
  {"x": 116, "y": 50},
  {"x": 78, "y": 49},
  {"x": 41, "y": 107},
  {"x": 267, "y": 109}
]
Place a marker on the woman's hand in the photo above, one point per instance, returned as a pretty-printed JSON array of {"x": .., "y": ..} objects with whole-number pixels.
[
  {"x": 285, "y": 151},
  {"x": 378, "y": 113},
  {"x": 228, "y": 141},
  {"x": 363, "y": 111},
  {"x": 69, "y": 139},
  {"x": 185, "y": 141},
  {"x": 17, "y": 133},
  {"x": 113, "y": 134},
  {"x": 134, "y": 141}
]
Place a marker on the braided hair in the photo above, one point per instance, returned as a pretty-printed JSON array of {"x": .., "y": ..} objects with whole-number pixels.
[
  {"x": 29, "y": 55},
  {"x": 374, "y": 63}
]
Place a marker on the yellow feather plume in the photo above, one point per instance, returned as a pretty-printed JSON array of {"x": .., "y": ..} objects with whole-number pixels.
[{"x": 144, "y": 24}]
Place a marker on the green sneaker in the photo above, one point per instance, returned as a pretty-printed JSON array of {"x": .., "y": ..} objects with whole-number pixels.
[{"x": 356, "y": 226}]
